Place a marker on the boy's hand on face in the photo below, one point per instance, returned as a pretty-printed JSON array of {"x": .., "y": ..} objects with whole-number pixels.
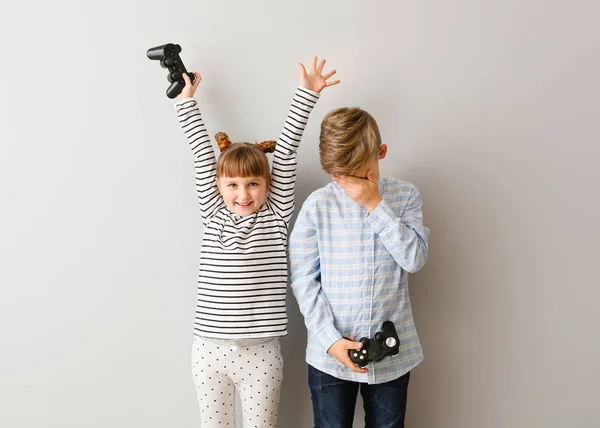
[
  {"x": 190, "y": 88},
  {"x": 363, "y": 190},
  {"x": 340, "y": 351},
  {"x": 315, "y": 80}
]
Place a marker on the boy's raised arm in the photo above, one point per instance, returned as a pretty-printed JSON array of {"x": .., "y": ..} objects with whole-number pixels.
[{"x": 404, "y": 236}]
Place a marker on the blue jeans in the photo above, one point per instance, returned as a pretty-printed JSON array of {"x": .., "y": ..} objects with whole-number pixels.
[{"x": 334, "y": 401}]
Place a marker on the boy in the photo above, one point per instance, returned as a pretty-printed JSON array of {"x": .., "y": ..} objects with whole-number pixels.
[{"x": 353, "y": 245}]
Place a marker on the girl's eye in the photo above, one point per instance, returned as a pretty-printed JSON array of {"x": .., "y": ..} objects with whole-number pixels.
[
  {"x": 232, "y": 185},
  {"x": 253, "y": 184}
]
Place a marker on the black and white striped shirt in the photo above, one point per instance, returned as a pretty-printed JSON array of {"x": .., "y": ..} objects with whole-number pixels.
[{"x": 242, "y": 279}]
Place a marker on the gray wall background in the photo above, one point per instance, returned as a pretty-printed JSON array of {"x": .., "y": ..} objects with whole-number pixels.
[{"x": 490, "y": 108}]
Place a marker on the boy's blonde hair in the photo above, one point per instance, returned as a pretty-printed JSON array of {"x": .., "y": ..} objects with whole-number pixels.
[
  {"x": 349, "y": 139},
  {"x": 243, "y": 160}
]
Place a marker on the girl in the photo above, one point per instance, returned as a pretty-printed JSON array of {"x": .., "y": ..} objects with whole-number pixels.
[{"x": 242, "y": 279}]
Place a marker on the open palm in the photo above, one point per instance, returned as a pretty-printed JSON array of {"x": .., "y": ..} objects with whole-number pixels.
[{"x": 315, "y": 80}]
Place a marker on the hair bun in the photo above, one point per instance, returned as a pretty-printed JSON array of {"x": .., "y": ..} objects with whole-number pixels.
[
  {"x": 267, "y": 146},
  {"x": 222, "y": 140}
]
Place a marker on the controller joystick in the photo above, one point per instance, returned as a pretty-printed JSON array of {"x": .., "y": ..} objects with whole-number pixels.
[
  {"x": 168, "y": 56},
  {"x": 384, "y": 343}
]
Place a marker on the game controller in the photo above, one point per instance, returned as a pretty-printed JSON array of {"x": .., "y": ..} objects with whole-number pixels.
[
  {"x": 384, "y": 343},
  {"x": 169, "y": 58}
]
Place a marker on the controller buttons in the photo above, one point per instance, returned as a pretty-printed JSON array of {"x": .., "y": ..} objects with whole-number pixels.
[{"x": 390, "y": 342}]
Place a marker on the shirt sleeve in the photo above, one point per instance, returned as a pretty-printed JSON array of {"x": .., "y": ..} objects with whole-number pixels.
[
  {"x": 404, "y": 236},
  {"x": 205, "y": 161},
  {"x": 306, "y": 280},
  {"x": 283, "y": 174}
]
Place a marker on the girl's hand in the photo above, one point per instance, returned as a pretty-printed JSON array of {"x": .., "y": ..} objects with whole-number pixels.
[
  {"x": 190, "y": 88},
  {"x": 315, "y": 80}
]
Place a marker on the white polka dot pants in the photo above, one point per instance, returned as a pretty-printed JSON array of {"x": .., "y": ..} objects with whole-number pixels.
[{"x": 256, "y": 372}]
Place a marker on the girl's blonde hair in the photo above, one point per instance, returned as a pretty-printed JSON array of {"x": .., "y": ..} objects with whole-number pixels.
[
  {"x": 243, "y": 160},
  {"x": 349, "y": 139}
]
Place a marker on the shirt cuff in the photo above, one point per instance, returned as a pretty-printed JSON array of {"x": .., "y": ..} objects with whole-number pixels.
[
  {"x": 177, "y": 103},
  {"x": 313, "y": 93},
  {"x": 328, "y": 335},
  {"x": 381, "y": 217}
]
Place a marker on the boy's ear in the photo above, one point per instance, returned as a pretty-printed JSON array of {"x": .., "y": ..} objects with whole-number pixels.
[{"x": 382, "y": 151}]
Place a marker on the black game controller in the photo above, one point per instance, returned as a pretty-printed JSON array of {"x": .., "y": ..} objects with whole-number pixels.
[
  {"x": 384, "y": 343},
  {"x": 169, "y": 58}
]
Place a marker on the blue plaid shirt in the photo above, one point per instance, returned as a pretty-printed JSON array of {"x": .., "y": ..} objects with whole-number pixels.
[{"x": 349, "y": 272}]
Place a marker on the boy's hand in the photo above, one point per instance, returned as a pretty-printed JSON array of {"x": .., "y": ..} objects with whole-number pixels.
[
  {"x": 315, "y": 80},
  {"x": 340, "y": 351},
  {"x": 363, "y": 190},
  {"x": 190, "y": 88}
]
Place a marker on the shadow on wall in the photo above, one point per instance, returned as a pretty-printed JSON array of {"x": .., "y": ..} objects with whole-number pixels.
[
  {"x": 435, "y": 305},
  {"x": 461, "y": 309},
  {"x": 296, "y": 407}
]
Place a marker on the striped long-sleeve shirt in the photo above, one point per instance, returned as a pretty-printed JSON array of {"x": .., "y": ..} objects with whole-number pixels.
[
  {"x": 242, "y": 277},
  {"x": 350, "y": 274}
]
